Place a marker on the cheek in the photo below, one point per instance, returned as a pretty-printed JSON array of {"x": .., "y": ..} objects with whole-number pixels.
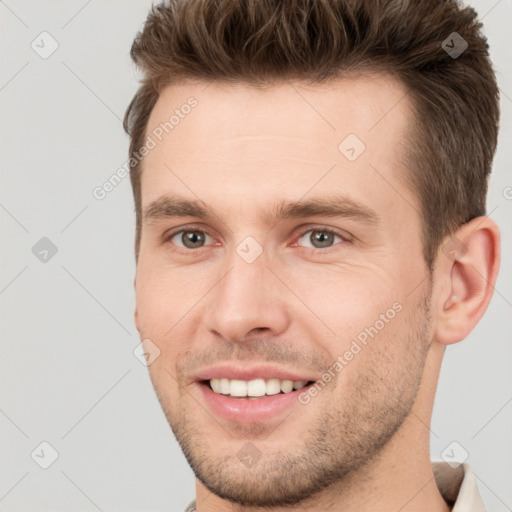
[
  {"x": 382, "y": 362},
  {"x": 162, "y": 298},
  {"x": 167, "y": 314},
  {"x": 347, "y": 301}
]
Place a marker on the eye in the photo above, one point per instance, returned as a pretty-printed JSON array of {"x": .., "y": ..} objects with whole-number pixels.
[
  {"x": 319, "y": 238},
  {"x": 190, "y": 239}
]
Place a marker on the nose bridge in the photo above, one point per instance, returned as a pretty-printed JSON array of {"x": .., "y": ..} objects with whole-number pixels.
[{"x": 246, "y": 297}]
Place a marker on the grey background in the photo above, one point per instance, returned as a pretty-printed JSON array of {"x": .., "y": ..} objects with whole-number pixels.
[{"x": 68, "y": 373}]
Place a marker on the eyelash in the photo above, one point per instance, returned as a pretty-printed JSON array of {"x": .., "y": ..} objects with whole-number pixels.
[
  {"x": 326, "y": 230},
  {"x": 345, "y": 238}
]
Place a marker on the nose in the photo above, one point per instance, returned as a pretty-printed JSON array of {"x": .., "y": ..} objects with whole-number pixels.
[{"x": 248, "y": 301}]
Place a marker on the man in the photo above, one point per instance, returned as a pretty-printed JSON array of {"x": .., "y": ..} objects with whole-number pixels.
[{"x": 309, "y": 180}]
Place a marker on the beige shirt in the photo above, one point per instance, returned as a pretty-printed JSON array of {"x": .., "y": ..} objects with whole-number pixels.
[{"x": 456, "y": 485}]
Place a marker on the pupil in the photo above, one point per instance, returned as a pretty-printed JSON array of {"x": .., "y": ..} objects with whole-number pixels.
[
  {"x": 321, "y": 239},
  {"x": 192, "y": 239}
]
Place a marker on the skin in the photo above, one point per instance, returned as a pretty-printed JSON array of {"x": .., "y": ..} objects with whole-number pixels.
[{"x": 363, "y": 442}]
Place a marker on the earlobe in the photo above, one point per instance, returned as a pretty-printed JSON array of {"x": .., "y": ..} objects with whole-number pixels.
[{"x": 469, "y": 262}]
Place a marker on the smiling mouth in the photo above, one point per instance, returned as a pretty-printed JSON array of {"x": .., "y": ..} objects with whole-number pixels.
[{"x": 255, "y": 388}]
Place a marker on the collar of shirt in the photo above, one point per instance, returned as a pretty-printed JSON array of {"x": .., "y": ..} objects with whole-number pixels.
[{"x": 457, "y": 486}]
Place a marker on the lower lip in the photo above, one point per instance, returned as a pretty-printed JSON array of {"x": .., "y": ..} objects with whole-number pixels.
[{"x": 244, "y": 410}]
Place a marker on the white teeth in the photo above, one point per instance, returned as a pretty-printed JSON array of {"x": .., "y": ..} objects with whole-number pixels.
[
  {"x": 286, "y": 386},
  {"x": 273, "y": 387},
  {"x": 255, "y": 387},
  {"x": 215, "y": 384},
  {"x": 238, "y": 388},
  {"x": 224, "y": 386}
]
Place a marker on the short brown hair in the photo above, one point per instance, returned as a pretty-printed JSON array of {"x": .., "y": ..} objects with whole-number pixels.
[{"x": 260, "y": 42}]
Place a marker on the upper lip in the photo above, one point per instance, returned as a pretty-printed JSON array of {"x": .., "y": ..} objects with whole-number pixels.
[{"x": 231, "y": 371}]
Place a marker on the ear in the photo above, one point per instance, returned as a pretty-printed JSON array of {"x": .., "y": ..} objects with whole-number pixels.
[{"x": 467, "y": 268}]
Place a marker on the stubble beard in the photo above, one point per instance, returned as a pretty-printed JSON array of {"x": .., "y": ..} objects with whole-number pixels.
[{"x": 339, "y": 444}]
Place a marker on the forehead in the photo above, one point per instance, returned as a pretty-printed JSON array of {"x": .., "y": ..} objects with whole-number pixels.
[{"x": 233, "y": 142}]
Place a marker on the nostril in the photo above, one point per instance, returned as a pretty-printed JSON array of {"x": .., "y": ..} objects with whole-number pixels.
[{"x": 258, "y": 330}]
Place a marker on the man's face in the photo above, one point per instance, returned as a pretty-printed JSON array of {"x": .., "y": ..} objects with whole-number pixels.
[{"x": 307, "y": 253}]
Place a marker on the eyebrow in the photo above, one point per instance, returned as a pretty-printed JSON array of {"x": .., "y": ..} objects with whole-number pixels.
[{"x": 326, "y": 206}]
